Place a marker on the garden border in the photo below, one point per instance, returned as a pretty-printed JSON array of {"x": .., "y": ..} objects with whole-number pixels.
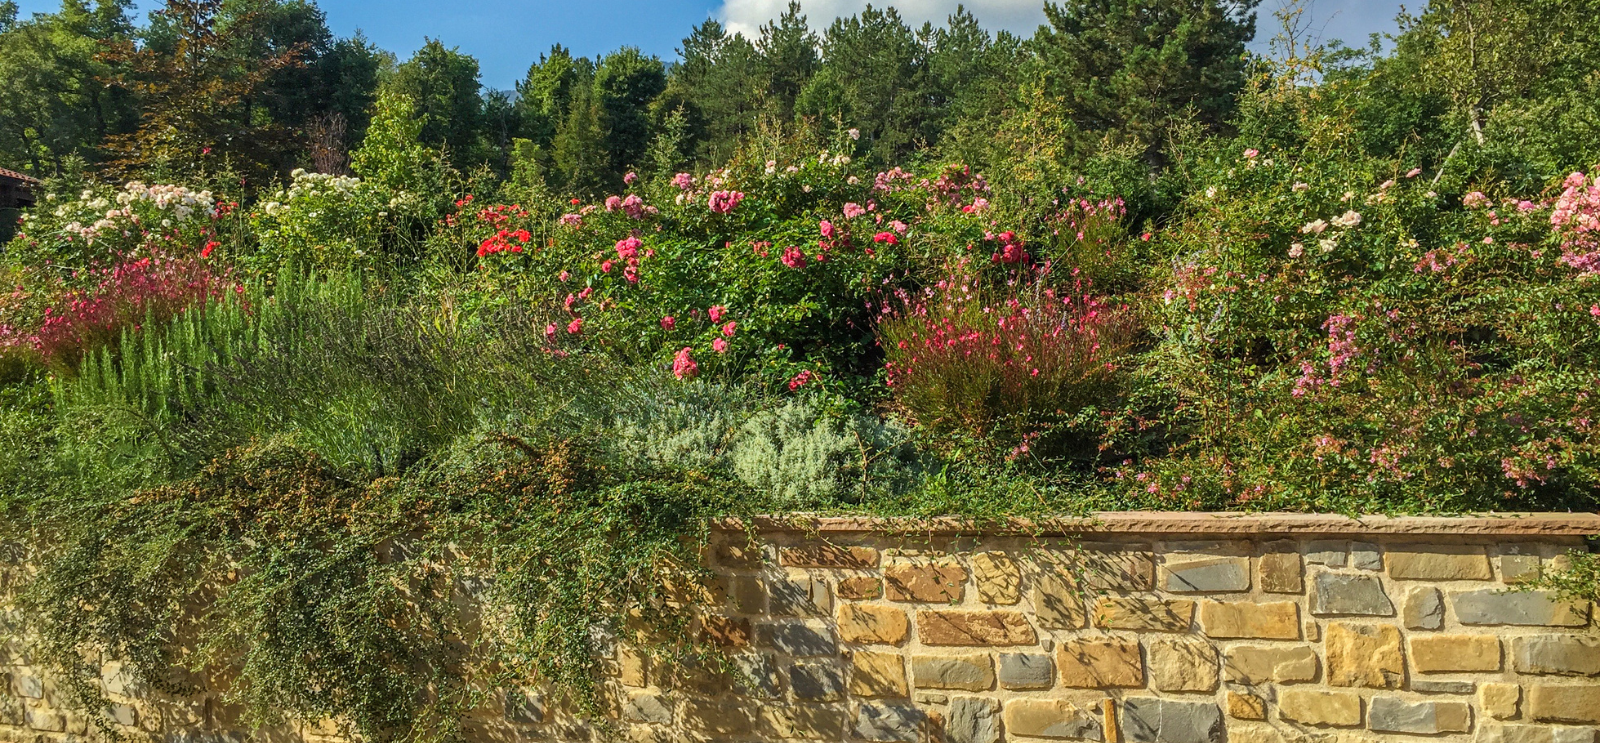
[{"x": 1163, "y": 522}]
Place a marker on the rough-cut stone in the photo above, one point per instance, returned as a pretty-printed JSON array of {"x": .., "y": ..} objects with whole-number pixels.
[
  {"x": 1152, "y": 720},
  {"x": 1100, "y": 662},
  {"x": 1254, "y": 666},
  {"x": 1052, "y": 718},
  {"x": 737, "y": 555},
  {"x": 1210, "y": 575},
  {"x": 1515, "y": 569},
  {"x": 746, "y": 595},
  {"x": 715, "y": 718},
  {"x": 829, "y": 556},
  {"x": 522, "y": 707},
  {"x": 1183, "y": 664},
  {"x": 1347, "y": 594},
  {"x": 1556, "y": 654},
  {"x": 860, "y": 588},
  {"x": 631, "y": 667},
  {"x": 1455, "y": 653},
  {"x": 1281, "y": 572},
  {"x": 816, "y": 682},
  {"x": 997, "y": 578},
  {"x": 973, "y": 672},
  {"x": 1026, "y": 671},
  {"x": 798, "y": 638},
  {"x": 1515, "y": 734},
  {"x": 125, "y": 715},
  {"x": 1243, "y": 619},
  {"x": 759, "y": 675},
  {"x": 115, "y": 677},
  {"x": 1365, "y": 556},
  {"x": 46, "y": 720},
  {"x": 872, "y": 624},
  {"x": 1424, "y": 608},
  {"x": 29, "y": 686},
  {"x": 1058, "y": 603},
  {"x": 1246, "y": 706},
  {"x": 1434, "y": 686},
  {"x": 1313, "y": 707},
  {"x": 640, "y": 707},
  {"x": 1109, "y": 567},
  {"x": 1439, "y": 562},
  {"x": 1500, "y": 701},
  {"x": 1569, "y": 703},
  {"x": 728, "y": 632},
  {"x": 1133, "y": 613},
  {"x": 1329, "y": 553},
  {"x": 1395, "y": 715},
  {"x": 797, "y": 597},
  {"x": 889, "y": 722},
  {"x": 972, "y": 720},
  {"x": 877, "y": 674},
  {"x": 1364, "y": 655},
  {"x": 925, "y": 582},
  {"x": 1528, "y": 608},
  {"x": 810, "y": 721},
  {"x": 953, "y": 627}
]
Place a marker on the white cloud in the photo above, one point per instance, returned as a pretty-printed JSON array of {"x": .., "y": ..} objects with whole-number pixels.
[{"x": 1018, "y": 16}]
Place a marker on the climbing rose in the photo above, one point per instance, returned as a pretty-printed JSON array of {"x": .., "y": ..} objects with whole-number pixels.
[
  {"x": 683, "y": 181},
  {"x": 683, "y": 365},
  {"x": 719, "y": 345},
  {"x": 628, "y": 247},
  {"x": 722, "y": 202},
  {"x": 793, "y": 258},
  {"x": 800, "y": 379},
  {"x": 667, "y": 322},
  {"x": 715, "y": 313},
  {"x": 728, "y": 329},
  {"x": 827, "y": 228},
  {"x": 576, "y": 326},
  {"x": 613, "y": 203},
  {"x": 853, "y": 210}
]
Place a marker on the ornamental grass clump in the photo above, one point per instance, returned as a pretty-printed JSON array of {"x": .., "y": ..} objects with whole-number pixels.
[{"x": 1009, "y": 361}]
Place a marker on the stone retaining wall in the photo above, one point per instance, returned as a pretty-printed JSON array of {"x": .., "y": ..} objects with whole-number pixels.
[{"x": 1147, "y": 628}]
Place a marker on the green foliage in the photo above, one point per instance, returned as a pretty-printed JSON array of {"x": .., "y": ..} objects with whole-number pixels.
[{"x": 443, "y": 84}]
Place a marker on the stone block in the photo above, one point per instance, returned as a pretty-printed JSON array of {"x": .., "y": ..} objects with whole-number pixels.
[
  {"x": 925, "y": 582},
  {"x": 1179, "y": 664},
  {"x": 523, "y": 707},
  {"x": 1527, "y": 608},
  {"x": 1395, "y": 715},
  {"x": 1088, "y": 663},
  {"x": 1439, "y": 562},
  {"x": 1210, "y": 575},
  {"x": 1152, "y": 720},
  {"x": 1364, "y": 655},
  {"x": 872, "y": 624},
  {"x": 878, "y": 675},
  {"x": 1244, "y": 620},
  {"x": 1052, "y": 718},
  {"x": 27, "y": 686},
  {"x": 125, "y": 715},
  {"x": 997, "y": 578},
  {"x": 1026, "y": 671},
  {"x": 741, "y": 554},
  {"x": 1455, "y": 653},
  {"x": 1246, "y": 706},
  {"x": 715, "y": 718},
  {"x": 1281, "y": 572},
  {"x": 809, "y": 721},
  {"x": 758, "y": 675},
  {"x": 829, "y": 556},
  {"x": 1365, "y": 556},
  {"x": 860, "y": 588},
  {"x": 1346, "y": 594},
  {"x": 1424, "y": 608},
  {"x": 972, "y": 720},
  {"x": 1517, "y": 569},
  {"x": 1435, "y": 686},
  {"x": 47, "y": 720},
  {"x": 746, "y": 595},
  {"x": 1515, "y": 734},
  {"x": 973, "y": 672},
  {"x": 1135, "y": 613},
  {"x": 728, "y": 632},
  {"x": 1111, "y": 567},
  {"x": 797, "y": 638},
  {"x": 1325, "y": 552},
  {"x": 890, "y": 722},
  {"x": 1578, "y": 704},
  {"x": 1254, "y": 666},
  {"x": 651, "y": 708},
  {"x": 1567, "y": 655},
  {"x": 993, "y": 628},
  {"x": 1500, "y": 701},
  {"x": 1058, "y": 603},
  {"x": 791, "y": 596},
  {"x": 816, "y": 681},
  {"x": 119, "y": 680},
  {"x": 1315, "y": 707}
]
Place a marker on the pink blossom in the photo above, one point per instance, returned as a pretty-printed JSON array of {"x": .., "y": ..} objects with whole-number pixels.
[
  {"x": 715, "y": 313},
  {"x": 564, "y": 276},
  {"x": 853, "y": 210},
  {"x": 1414, "y": 172},
  {"x": 613, "y": 203},
  {"x": 722, "y": 202},
  {"x": 628, "y": 247},
  {"x": 605, "y": 266},
  {"x": 667, "y": 323},
  {"x": 633, "y": 206},
  {"x": 576, "y": 326},
  {"x": 1475, "y": 200},
  {"x": 550, "y": 332},
  {"x": 683, "y": 365},
  {"x": 630, "y": 177},
  {"x": 683, "y": 181},
  {"x": 793, "y": 258},
  {"x": 729, "y": 328},
  {"x": 800, "y": 379},
  {"x": 571, "y": 220},
  {"x": 899, "y": 226},
  {"x": 827, "y": 228},
  {"x": 1251, "y": 153},
  {"x": 719, "y": 345}
]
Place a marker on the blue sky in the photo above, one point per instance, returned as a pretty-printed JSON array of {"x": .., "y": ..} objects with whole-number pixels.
[{"x": 507, "y": 35}]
